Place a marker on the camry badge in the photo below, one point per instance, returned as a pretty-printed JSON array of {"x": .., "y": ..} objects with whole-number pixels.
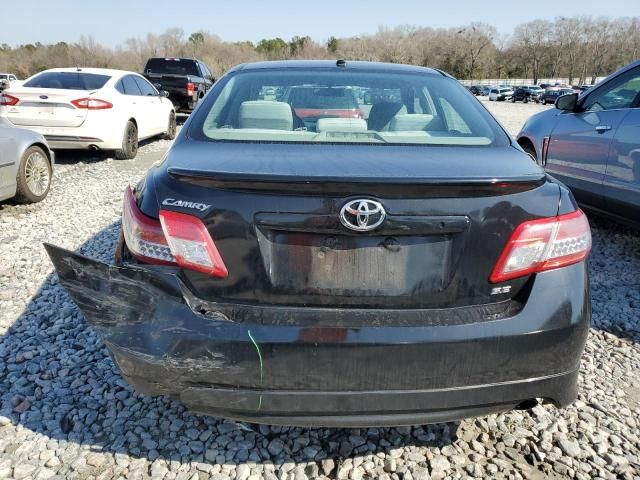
[
  {"x": 172, "y": 202},
  {"x": 362, "y": 215}
]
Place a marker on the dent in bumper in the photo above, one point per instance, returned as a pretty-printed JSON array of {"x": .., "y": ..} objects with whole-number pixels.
[{"x": 240, "y": 367}]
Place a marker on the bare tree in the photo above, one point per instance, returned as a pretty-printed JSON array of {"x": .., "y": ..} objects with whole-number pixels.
[{"x": 581, "y": 48}]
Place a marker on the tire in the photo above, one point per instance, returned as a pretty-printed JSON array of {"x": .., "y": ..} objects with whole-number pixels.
[
  {"x": 129, "y": 148},
  {"x": 170, "y": 134},
  {"x": 513, "y": 99},
  {"x": 526, "y": 100},
  {"x": 544, "y": 101},
  {"x": 34, "y": 176},
  {"x": 531, "y": 151}
]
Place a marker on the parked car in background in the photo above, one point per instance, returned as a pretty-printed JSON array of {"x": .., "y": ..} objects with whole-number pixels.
[
  {"x": 500, "y": 93},
  {"x": 486, "y": 89},
  {"x": 591, "y": 143},
  {"x": 476, "y": 89},
  {"x": 409, "y": 267},
  {"x": 526, "y": 94},
  {"x": 551, "y": 94},
  {"x": 89, "y": 108},
  {"x": 186, "y": 79},
  {"x": 26, "y": 165},
  {"x": 6, "y": 79}
]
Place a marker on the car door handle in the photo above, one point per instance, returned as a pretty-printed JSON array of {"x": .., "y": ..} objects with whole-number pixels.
[{"x": 603, "y": 128}]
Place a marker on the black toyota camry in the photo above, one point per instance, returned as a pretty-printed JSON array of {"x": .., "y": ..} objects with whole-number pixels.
[{"x": 397, "y": 261}]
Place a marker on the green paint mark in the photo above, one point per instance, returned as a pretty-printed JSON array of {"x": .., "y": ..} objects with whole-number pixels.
[{"x": 255, "y": 344}]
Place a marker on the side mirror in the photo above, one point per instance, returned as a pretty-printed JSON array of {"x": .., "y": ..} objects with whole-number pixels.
[
  {"x": 567, "y": 102},
  {"x": 164, "y": 93}
]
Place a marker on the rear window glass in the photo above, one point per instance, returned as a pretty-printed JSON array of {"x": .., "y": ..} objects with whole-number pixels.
[
  {"x": 172, "y": 66},
  {"x": 68, "y": 80},
  {"x": 344, "y": 107}
]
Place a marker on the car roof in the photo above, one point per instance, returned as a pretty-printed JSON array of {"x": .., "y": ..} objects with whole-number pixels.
[
  {"x": 173, "y": 58},
  {"x": 332, "y": 64},
  {"x": 98, "y": 71}
]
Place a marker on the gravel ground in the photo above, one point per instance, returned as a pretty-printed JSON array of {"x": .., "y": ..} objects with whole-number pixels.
[{"x": 66, "y": 413}]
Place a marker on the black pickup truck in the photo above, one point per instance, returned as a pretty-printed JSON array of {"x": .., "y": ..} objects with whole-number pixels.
[{"x": 186, "y": 80}]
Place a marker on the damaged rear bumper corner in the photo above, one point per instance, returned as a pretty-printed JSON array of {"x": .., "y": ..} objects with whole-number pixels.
[{"x": 314, "y": 373}]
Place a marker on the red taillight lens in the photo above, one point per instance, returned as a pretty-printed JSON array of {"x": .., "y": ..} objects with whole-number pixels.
[
  {"x": 143, "y": 235},
  {"x": 177, "y": 239},
  {"x": 8, "y": 100},
  {"x": 191, "y": 88},
  {"x": 540, "y": 245},
  {"x": 91, "y": 104},
  {"x": 191, "y": 244}
]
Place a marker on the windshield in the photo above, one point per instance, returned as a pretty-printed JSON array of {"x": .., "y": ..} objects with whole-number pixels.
[
  {"x": 295, "y": 105},
  {"x": 172, "y": 66},
  {"x": 68, "y": 81}
]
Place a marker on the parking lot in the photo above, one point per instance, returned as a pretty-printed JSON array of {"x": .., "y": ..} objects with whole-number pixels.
[{"x": 66, "y": 413}]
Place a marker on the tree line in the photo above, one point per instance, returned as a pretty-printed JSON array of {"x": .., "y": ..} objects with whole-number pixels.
[{"x": 578, "y": 48}]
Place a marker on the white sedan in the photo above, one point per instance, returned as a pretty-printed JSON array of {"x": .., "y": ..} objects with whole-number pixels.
[
  {"x": 89, "y": 108},
  {"x": 500, "y": 93}
]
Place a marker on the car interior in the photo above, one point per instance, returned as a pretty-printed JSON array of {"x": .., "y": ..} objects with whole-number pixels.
[{"x": 365, "y": 110}]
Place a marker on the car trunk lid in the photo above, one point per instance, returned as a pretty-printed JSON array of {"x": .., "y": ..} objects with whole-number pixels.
[
  {"x": 47, "y": 107},
  {"x": 277, "y": 221}
]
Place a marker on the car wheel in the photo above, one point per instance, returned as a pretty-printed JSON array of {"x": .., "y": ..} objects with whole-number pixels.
[
  {"x": 531, "y": 151},
  {"x": 513, "y": 99},
  {"x": 34, "y": 176},
  {"x": 526, "y": 100},
  {"x": 544, "y": 101},
  {"x": 129, "y": 148},
  {"x": 170, "y": 134}
]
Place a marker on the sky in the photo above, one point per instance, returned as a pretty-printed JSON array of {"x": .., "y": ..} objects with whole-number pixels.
[{"x": 111, "y": 22}]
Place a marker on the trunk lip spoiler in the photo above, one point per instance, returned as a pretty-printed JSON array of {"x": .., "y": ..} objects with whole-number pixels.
[
  {"x": 399, "y": 187},
  {"x": 195, "y": 174}
]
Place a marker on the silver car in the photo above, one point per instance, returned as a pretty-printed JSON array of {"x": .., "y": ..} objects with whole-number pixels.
[
  {"x": 26, "y": 165},
  {"x": 591, "y": 142}
]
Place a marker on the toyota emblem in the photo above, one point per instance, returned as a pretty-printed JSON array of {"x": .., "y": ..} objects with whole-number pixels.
[{"x": 362, "y": 215}]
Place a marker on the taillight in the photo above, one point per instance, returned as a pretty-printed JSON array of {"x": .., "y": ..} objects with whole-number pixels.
[
  {"x": 8, "y": 100},
  {"x": 544, "y": 244},
  {"x": 191, "y": 245},
  {"x": 191, "y": 88},
  {"x": 91, "y": 104},
  {"x": 143, "y": 235},
  {"x": 177, "y": 239}
]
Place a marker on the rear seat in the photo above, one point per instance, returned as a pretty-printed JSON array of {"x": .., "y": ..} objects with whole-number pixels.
[
  {"x": 266, "y": 114},
  {"x": 382, "y": 113},
  {"x": 341, "y": 125},
  {"x": 410, "y": 122}
]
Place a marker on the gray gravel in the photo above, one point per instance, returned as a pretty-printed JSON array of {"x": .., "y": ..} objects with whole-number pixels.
[{"x": 66, "y": 413}]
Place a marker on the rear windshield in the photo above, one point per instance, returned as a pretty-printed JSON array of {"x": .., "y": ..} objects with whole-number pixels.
[
  {"x": 340, "y": 106},
  {"x": 68, "y": 80},
  {"x": 172, "y": 66}
]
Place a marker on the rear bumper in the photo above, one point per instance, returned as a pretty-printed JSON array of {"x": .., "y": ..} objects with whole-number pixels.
[
  {"x": 104, "y": 135},
  {"x": 322, "y": 374},
  {"x": 72, "y": 142},
  {"x": 182, "y": 102}
]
